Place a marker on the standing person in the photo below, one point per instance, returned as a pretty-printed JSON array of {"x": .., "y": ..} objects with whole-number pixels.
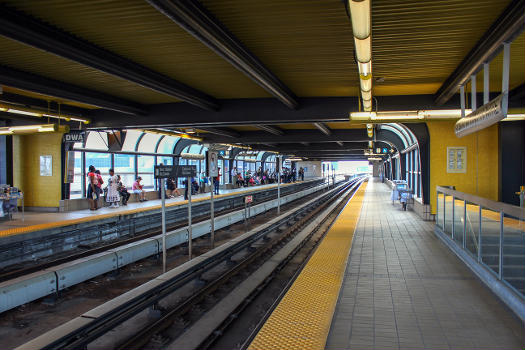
[
  {"x": 138, "y": 188},
  {"x": 123, "y": 191},
  {"x": 93, "y": 189},
  {"x": 301, "y": 173},
  {"x": 112, "y": 197},
  {"x": 216, "y": 181},
  {"x": 202, "y": 183}
]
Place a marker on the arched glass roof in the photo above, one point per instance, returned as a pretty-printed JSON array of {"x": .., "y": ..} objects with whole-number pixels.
[
  {"x": 148, "y": 142},
  {"x": 97, "y": 140},
  {"x": 167, "y": 144},
  {"x": 131, "y": 140},
  {"x": 407, "y": 137}
]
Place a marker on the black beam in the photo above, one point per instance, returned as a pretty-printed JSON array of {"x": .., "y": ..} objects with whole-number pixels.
[
  {"x": 36, "y": 103},
  {"x": 271, "y": 129},
  {"x": 30, "y": 31},
  {"x": 293, "y": 136},
  {"x": 35, "y": 83},
  {"x": 221, "y": 132},
  {"x": 323, "y": 128},
  {"x": 261, "y": 111},
  {"x": 322, "y": 147},
  {"x": 193, "y": 17},
  {"x": 506, "y": 27}
]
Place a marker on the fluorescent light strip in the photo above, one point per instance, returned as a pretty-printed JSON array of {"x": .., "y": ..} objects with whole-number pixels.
[{"x": 360, "y": 15}]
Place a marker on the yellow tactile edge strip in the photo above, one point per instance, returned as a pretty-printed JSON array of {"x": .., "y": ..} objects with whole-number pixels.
[
  {"x": 49, "y": 225},
  {"x": 303, "y": 317}
]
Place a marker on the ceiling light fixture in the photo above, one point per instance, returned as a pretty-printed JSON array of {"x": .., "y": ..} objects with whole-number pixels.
[
  {"x": 32, "y": 112},
  {"x": 32, "y": 129},
  {"x": 362, "y": 30}
]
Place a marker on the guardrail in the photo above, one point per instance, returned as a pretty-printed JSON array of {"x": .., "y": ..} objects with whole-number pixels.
[{"x": 491, "y": 233}]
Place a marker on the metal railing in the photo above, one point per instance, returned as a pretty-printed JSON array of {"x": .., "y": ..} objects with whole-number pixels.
[{"x": 493, "y": 233}]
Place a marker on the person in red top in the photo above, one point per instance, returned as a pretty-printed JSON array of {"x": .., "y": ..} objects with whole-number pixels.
[
  {"x": 93, "y": 190},
  {"x": 216, "y": 181},
  {"x": 138, "y": 189}
]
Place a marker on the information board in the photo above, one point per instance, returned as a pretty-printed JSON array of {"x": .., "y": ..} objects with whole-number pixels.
[
  {"x": 173, "y": 171},
  {"x": 212, "y": 164},
  {"x": 456, "y": 159}
]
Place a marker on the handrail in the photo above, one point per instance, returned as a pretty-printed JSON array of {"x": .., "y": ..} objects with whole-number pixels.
[{"x": 486, "y": 203}]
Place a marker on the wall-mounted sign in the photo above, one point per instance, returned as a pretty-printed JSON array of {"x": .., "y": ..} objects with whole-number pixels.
[
  {"x": 74, "y": 136},
  {"x": 456, "y": 159},
  {"x": 46, "y": 165}
]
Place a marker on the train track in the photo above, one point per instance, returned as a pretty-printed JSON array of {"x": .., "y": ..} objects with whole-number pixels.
[
  {"x": 216, "y": 274},
  {"x": 18, "y": 272}
]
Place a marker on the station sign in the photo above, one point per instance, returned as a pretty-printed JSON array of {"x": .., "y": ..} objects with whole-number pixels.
[
  {"x": 74, "y": 136},
  {"x": 173, "y": 171}
]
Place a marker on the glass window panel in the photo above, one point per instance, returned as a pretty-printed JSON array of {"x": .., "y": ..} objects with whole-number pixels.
[
  {"x": 145, "y": 168},
  {"x": 164, "y": 160},
  {"x": 101, "y": 161},
  {"x": 125, "y": 167},
  {"x": 448, "y": 215},
  {"x": 167, "y": 144},
  {"x": 490, "y": 229},
  {"x": 440, "y": 209},
  {"x": 514, "y": 252},
  {"x": 75, "y": 189},
  {"x": 194, "y": 149},
  {"x": 148, "y": 142},
  {"x": 97, "y": 140},
  {"x": 131, "y": 140},
  {"x": 459, "y": 220},
  {"x": 472, "y": 229}
]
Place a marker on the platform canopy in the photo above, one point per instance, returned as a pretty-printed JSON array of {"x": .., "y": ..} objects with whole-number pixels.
[{"x": 275, "y": 75}]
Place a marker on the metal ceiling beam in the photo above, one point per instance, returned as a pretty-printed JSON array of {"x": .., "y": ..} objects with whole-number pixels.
[
  {"x": 30, "y": 102},
  {"x": 30, "y": 31},
  {"x": 35, "y": 83},
  {"x": 193, "y": 17},
  {"x": 268, "y": 111},
  {"x": 323, "y": 128},
  {"x": 271, "y": 129},
  {"x": 293, "y": 136},
  {"x": 221, "y": 132},
  {"x": 508, "y": 25}
]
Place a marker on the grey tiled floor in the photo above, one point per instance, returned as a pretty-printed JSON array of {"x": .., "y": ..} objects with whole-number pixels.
[{"x": 403, "y": 289}]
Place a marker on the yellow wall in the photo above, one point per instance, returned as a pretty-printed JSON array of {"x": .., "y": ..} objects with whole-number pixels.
[
  {"x": 39, "y": 191},
  {"x": 482, "y": 176}
]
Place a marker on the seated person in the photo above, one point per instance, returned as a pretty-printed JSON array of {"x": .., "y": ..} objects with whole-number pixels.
[
  {"x": 172, "y": 188},
  {"x": 123, "y": 191},
  {"x": 138, "y": 188}
]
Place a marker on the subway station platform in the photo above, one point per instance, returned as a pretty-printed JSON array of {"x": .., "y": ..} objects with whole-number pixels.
[
  {"x": 402, "y": 289},
  {"x": 34, "y": 221}
]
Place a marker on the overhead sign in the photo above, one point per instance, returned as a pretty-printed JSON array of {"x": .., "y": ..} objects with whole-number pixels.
[
  {"x": 486, "y": 115},
  {"x": 212, "y": 164},
  {"x": 173, "y": 171},
  {"x": 74, "y": 136},
  {"x": 385, "y": 150}
]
